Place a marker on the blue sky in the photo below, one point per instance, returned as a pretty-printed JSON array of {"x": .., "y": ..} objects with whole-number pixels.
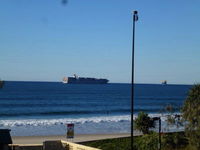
[{"x": 45, "y": 40}]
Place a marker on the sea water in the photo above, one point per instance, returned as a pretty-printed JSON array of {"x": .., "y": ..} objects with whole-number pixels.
[{"x": 44, "y": 108}]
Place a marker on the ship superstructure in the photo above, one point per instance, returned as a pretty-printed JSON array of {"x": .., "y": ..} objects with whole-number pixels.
[{"x": 164, "y": 82}]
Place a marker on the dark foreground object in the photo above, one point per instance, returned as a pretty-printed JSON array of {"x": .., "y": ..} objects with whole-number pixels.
[{"x": 5, "y": 139}]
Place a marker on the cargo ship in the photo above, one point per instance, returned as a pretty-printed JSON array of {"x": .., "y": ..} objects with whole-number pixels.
[{"x": 83, "y": 80}]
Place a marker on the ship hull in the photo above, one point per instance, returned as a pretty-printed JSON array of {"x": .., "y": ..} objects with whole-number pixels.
[{"x": 71, "y": 80}]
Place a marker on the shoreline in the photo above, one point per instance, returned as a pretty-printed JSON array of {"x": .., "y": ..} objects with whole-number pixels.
[{"x": 77, "y": 138}]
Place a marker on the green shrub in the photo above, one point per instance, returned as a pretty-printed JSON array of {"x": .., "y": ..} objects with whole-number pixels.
[
  {"x": 174, "y": 140},
  {"x": 143, "y": 122},
  {"x": 191, "y": 114},
  {"x": 148, "y": 142}
]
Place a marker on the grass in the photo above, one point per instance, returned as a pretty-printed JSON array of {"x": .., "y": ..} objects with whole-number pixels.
[
  {"x": 146, "y": 142},
  {"x": 110, "y": 144}
]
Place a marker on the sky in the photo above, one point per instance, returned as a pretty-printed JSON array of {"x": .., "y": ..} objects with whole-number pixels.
[{"x": 46, "y": 40}]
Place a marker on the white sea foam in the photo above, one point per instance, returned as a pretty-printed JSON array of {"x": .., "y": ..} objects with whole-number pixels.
[
  {"x": 84, "y": 125},
  {"x": 50, "y": 122}
]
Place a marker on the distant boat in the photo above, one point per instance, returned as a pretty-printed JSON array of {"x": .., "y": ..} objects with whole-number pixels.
[
  {"x": 1, "y": 83},
  {"x": 83, "y": 80},
  {"x": 164, "y": 82}
]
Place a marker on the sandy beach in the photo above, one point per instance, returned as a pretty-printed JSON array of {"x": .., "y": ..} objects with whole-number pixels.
[{"x": 78, "y": 138}]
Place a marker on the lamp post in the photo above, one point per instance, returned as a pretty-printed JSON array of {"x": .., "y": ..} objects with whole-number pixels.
[{"x": 135, "y": 18}]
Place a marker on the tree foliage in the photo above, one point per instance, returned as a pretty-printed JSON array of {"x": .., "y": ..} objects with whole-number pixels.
[
  {"x": 174, "y": 140},
  {"x": 172, "y": 117},
  {"x": 191, "y": 113},
  {"x": 143, "y": 122}
]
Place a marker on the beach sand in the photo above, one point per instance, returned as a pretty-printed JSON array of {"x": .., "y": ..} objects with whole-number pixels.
[{"x": 78, "y": 138}]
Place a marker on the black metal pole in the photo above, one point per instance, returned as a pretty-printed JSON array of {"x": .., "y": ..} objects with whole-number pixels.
[
  {"x": 159, "y": 133},
  {"x": 132, "y": 78}
]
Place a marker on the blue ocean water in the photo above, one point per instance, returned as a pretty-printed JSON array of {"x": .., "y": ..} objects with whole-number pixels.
[{"x": 43, "y": 108}]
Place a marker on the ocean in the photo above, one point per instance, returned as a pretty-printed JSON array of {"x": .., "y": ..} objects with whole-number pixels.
[{"x": 44, "y": 108}]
